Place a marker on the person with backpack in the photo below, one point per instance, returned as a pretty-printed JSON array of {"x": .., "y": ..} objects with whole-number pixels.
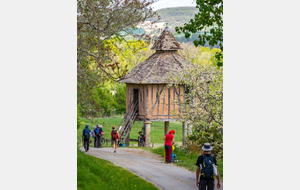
[
  {"x": 207, "y": 163},
  {"x": 87, "y": 138},
  {"x": 141, "y": 139},
  {"x": 114, "y": 137},
  {"x": 98, "y": 133},
  {"x": 169, "y": 141}
]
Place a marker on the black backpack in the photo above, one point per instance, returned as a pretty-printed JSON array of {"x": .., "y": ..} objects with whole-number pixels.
[
  {"x": 114, "y": 134},
  {"x": 207, "y": 168}
]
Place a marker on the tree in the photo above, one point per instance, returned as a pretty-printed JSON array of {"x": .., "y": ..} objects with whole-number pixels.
[
  {"x": 97, "y": 22},
  {"x": 209, "y": 18},
  {"x": 203, "y": 103},
  {"x": 120, "y": 98}
]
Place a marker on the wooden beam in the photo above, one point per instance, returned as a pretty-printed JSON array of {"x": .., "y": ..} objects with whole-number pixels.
[
  {"x": 142, "y": 102},
  {"x": 169, "y": 102},
  {"x": 156, "y": 101},
  {"x": 147, "y": 101}
]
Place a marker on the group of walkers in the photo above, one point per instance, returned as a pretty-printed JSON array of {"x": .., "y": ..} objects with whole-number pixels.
[
  {"x": 87, "y": 136},
  {"x": 97, "y": 134},
  {"x": 206, "y": 164}
]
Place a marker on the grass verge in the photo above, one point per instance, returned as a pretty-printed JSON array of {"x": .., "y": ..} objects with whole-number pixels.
[{"x": 95, "y": 173}]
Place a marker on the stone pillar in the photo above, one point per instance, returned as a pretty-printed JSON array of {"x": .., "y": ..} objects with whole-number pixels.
[
  {"x": 184, "y": 133},
  {"x": 127, "y": 140},
  {"x": 147, "y": 131},
  {"x": 166, "y": 127}
]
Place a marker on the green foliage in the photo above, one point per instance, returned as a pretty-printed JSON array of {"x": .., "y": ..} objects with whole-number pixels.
[
  {"x": 210, "y": 16},
  {"x": 78, "y": 118},
  {"x": 203, "y": 105},
  {"x": 96, "y": 60},
  {"x": 94, "y": 173},
  {"x": 105, "y": 99},
  {"x": 120, "y": 98}
]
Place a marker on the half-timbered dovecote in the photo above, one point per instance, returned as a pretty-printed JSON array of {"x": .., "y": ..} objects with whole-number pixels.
[{"x": 147, "y": 96}]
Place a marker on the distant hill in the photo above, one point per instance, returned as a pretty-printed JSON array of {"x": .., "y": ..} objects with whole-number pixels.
[{"x": 176, "y": 16}]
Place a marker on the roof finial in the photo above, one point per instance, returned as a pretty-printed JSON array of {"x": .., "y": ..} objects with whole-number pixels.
[{"x": 167, "y": 28}]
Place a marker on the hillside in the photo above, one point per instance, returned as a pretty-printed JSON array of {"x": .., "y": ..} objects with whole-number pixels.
[{"x": 176, "y": 16}]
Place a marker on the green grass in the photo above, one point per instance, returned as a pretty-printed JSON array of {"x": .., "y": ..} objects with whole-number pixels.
[
  {"x": 156, "y": 133},
  {"x": 187, "y": 160},
  {"x": 95, "y": 173}
]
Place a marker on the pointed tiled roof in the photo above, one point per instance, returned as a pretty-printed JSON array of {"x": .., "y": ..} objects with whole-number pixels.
[
  {"x": 157, "y": 68},
  {"x": 166, "y": 41}
]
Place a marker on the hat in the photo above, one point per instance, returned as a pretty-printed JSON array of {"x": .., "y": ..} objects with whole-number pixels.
[
  {"x": 207, "y": 147},
  {"x": 140, "y": 131},
  {"x": 94, "y": 127},
  {"x": 101, "y": 126},
  {"x": 172, "y": 132}
]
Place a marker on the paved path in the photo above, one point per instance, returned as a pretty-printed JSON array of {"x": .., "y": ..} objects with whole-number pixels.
[{"x": 149, "y": 166}]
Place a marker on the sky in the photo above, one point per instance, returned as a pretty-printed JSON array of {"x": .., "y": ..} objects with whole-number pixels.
[{"x": 173, "y": 3}]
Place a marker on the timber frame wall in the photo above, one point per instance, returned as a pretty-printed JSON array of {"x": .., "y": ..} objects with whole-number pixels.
[{"x": 155, "y": 101}]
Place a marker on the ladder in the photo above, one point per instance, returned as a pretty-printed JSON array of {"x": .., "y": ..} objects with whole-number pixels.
[{"x": 128, "y": 121}]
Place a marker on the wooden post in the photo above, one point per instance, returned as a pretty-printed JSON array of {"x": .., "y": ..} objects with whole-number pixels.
[
  {"x": 184, "y": 133},
  {"x": 166, "y": 127},
  {"x": 127, "y": 140},
  {"x": 147, "y": 130}
]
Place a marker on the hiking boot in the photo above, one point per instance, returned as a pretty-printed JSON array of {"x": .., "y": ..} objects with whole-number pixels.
[{"x": 115, "y": 151}]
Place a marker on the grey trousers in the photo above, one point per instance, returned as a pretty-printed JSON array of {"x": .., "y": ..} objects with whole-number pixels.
[
  {"x": 206, "y": 183},
  {"x": 99, "y": 142}
]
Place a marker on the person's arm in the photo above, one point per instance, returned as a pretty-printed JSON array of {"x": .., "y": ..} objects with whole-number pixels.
[
  {"x": 91, "y": 137},
  {"x": 218, "y": 177},
  {"x": 173, "y": 141},
  {"x": 164, "y": 138},
  {"x": 197, "y": 176}
]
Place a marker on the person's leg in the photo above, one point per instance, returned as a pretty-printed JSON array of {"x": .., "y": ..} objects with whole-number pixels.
[
  {"x": 210, "y": 184},
  {"x": 116, "y": 145},
  {"x": 166, "y": 153},
  {"x": 100, "y": 142},
  {"x": 95, "y": 142},
  {"x": 85, "y": 144},
  {"x": 88, "y": 144},
  {"x": 170, "y": 154},
  {"x": 167, "y": 148},
  {"x": 203, "y": 184}
]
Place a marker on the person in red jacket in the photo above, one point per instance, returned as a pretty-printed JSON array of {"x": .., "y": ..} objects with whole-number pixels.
[
  {"x": 114, "y": 137},
  {"x": 169, "y": 140}
]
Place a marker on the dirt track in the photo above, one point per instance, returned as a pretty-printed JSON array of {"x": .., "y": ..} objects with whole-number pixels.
[{"x": 150, "y": 167}]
